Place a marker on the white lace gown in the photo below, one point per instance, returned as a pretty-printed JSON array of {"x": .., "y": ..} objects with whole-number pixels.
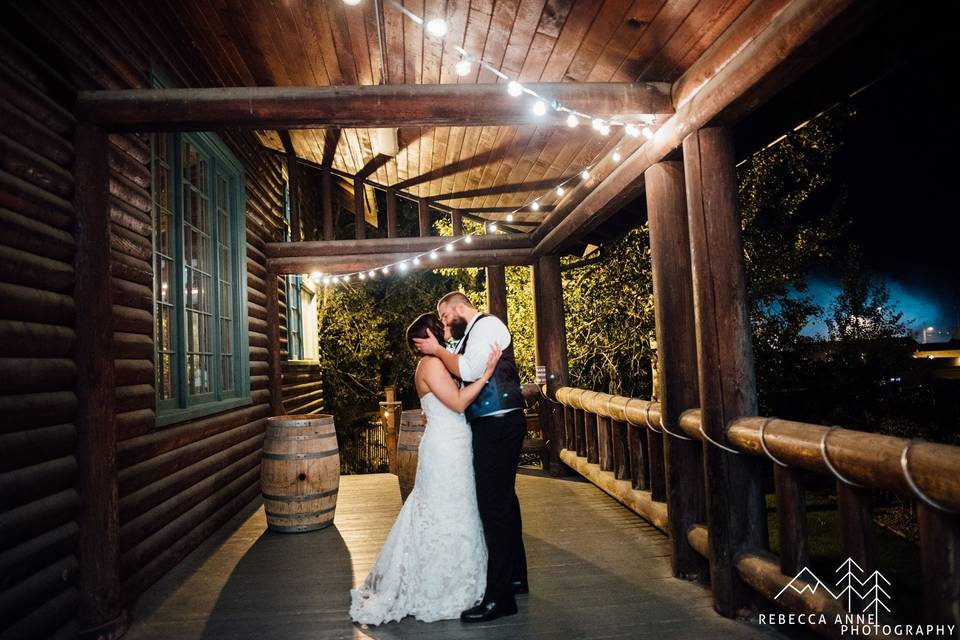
[{"x": 434, "y": 562}]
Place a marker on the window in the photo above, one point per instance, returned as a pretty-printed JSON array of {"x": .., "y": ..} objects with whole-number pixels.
[{"x": 200, "y": 277}]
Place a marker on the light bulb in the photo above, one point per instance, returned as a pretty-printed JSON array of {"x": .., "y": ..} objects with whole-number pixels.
[
  {"x": 437, "y": 27},
  {"x": 403, "y": 266},
  {"x": 351, "y": 3},
  {"x": 433, "y": 255},
  {"x": 572, "y": 121},
  {"x": 372, "y": 274},
  {"x": 386, "y": 270},
  {"x": 449, "y": 246},
  {"x": 346, "y": 278},
  {"x": 597, "y": 123},
  {"x": 362, "y": 275},
  {"x": 539, "y": 108},
  {"x": 632, "y": 130},
  {"x": 463, "y": 67},
  {"x": 468, "y": 239},
  {"x": 416, "y": 261},
  {"x": 535, "y": 206},
  {"x": 648, "y": 133},
  {"x": 493, "y": 226},
  {"x": 514, "y": 88},
  {"x": 336, "y": 279},
  {"x": 316, "y": 276},
  {"x": 585, "y": 174},
  {"x": 561, "y": 191},
  {"x": 509, "y": 217},
  {"x": 616, "y": 156},
  {"x": 326, "y": 280},
  {"x": 605, "y": 129}
]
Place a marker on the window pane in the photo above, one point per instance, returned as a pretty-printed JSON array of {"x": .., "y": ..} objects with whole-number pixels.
[
  {"x": 226, "y": 372},
  {"x": 165, "y": 329}
]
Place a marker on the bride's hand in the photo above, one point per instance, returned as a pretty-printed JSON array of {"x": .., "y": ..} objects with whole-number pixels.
[{"x": 492, "y": 360}]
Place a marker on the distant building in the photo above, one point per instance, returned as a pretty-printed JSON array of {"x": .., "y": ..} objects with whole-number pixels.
[{"x": 944, "y": 357}]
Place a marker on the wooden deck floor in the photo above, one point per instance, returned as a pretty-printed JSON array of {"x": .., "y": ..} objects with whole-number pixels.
[{"x": 596, "y": 571}]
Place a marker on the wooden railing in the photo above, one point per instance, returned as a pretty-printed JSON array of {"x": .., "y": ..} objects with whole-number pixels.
[{"x": 619, "y": 444}]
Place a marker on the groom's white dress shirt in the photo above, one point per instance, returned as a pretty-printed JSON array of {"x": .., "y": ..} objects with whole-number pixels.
[{"x": 473, "y": 361}]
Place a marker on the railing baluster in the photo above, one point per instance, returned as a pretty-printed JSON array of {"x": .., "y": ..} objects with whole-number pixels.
[
  {"x": 590, "y": 430},
  {"x": 658, "y": 476},
  {"x": 940, "y": 565},
  {"x": 605, "y": 443},
  {"x": 637, "y": 448},
  {"x": 621, "y": 456},
  {"x": 569, "y": 427},
  {"x": 856, "y": 525},
  {"x": 792, "y": 520}
]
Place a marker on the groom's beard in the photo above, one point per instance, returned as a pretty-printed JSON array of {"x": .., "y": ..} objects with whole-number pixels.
[{"x": 458, "y": 328}]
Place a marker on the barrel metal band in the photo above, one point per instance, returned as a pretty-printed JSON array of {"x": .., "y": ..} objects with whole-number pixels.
[
  {"x": 306, "y": 514},
  {"x": 408, "y": 447},
  {"x": 300, "y": 456},
  {"x": 303, "y": 498},
  {"x": 308, "y": 437}
]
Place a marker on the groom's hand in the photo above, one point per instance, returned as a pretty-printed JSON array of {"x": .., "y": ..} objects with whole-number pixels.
[{"x": 429, "y": 345}]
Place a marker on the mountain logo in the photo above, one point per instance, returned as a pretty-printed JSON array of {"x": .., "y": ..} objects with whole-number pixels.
[
  {"x": 855, "y": 589},
  {"x": 806, "y": 580}
]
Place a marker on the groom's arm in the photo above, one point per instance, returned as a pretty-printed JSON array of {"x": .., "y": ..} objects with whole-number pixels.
[{"x": 485, "y": 332}]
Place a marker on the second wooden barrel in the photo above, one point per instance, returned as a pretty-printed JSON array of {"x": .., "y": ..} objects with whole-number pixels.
[
  {"x": 300, "y": 472},
  {"x": 412, "y": 424}
]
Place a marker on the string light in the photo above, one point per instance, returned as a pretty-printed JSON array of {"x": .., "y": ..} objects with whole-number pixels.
[
  {"x": 372, "y": 274},
  {"x": 433, "y": 255},
  {"x": 463, "y": 67},
  {"x": 351, "y": 3},
  {"x": 416, "y": 261},
  {"x": 493, "y": 226},
  {"x": 514, "y": 88},
  {"x": 605, "y": 129},
  {"x": 449, "y": 246},
  {"x": 648, "y": 133},
  {"x": 509, "y": 217},
  {"x": 362, "y": 275},
  {"x": 597, "y": 123},
  {"x": 403, "y": 266},
  {"x": 616, "y": 156},
  {"x": 572, "y": 121},
  {"x": 585, "y": 174},
  {"x": 535, "y": 205},
  {"x": 539, "y": 108},
  {"x": 437, "y": 27},
  {"x": 561, "y": 191},
  {"x": 316, "y": 277},
  {"x": 468, "y": 239},
  {"x": 631, "y": 130}
]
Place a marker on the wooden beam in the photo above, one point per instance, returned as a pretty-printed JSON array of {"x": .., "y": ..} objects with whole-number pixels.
[
  {"x": 391, "y": 197},
  {"x": 550, "y": 335},
  {"x": 366, "y": 261},
  {"x": 273, "y": 342},
  {"x": 392, "y": 245},
  {"x": 676, "y": 360},
  {"x": 763, "y": 44},
  {"x": 399, "y": 105},
  {"x": 326, "y": 203},
  {"x": 736, "y": 507},
  {"x": 331, "y": 138},
  {"x": 98, "y": 584},
  {"x": 456, "y": 221},
  {"x": 497, "y": 291},
  {"x": 423, "y": 215},
  {"x": 359, "y": 207},
  {"x": 516, "y": 187},
  {"x": 293, "y": 184}
]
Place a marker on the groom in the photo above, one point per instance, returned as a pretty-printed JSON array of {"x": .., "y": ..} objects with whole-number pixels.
[{"x": 498, "y": 424}]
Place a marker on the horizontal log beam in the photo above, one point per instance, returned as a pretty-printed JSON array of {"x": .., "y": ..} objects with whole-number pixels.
[
  {"x": 327, "y": 248},
  {"x": 364, "y": 262},
  {"x": 764, "y": 47},
  {"x": 361, "y": 106}
]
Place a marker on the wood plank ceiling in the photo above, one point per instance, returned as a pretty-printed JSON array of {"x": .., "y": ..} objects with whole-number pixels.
[{"x": 326, "y": 42}]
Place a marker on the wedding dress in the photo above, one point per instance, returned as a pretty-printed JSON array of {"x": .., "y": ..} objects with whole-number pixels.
[{"x": 434, "y": 562}]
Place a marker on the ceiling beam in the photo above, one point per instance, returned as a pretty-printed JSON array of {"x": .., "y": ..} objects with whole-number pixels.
[
  {"x": 403, "y": 105},
  {"x": 331, "y": 138},
  {"x": 764, "y": 41},
  {"x": 362, "y": 262},
  {"x": 327, "y": 248}
]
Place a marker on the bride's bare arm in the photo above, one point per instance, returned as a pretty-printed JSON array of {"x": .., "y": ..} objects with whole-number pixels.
[{"x": 438, "y": 380}]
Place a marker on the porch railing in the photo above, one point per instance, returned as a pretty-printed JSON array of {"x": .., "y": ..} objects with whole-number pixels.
[{"x": 618, "y": 444}]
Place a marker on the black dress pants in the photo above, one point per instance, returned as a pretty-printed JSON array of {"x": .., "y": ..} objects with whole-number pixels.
[{"x": 497, "y": 441}]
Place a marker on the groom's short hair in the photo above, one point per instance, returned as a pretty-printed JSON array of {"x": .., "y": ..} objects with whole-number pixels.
[{"x": 455, "y": 297}]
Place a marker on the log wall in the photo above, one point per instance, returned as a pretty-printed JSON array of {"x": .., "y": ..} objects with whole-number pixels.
[{"x": 176, "y": 484}]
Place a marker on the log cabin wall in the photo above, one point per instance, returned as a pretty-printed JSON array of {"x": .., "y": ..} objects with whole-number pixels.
[{"x": 176, "y": 483}]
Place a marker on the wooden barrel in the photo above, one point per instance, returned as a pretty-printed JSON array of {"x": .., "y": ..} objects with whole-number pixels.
[
  {"x": 412, "y": 424},
  {"x": 300, "y": 472}
]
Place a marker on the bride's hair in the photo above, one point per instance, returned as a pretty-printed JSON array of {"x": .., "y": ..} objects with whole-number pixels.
[{"x": 418, "y": 329}]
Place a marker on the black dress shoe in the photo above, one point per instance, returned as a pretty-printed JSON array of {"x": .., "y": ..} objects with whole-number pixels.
[
  {"x": 489, "y": 611},
  {"x": 519, "y": 587}
]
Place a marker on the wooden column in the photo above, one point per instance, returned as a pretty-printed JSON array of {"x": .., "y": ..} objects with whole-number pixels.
[
  {"x": 736, "y": 511},
  {"x": 456, "y": 220},
  {"x": 424, "y": 216},
  {"x": 391, "y": 197},
  {"x": 359, "y": 220},
  {"x": 98, "y": 544},
  {"x": 940, "y": 564},
  {"x": 497, "y": 292},
  {"x": 273, "y": 344},
  {"x": 677, "y": 360},
  {"x": 293, "y": 178},
  {"x": 551, "y": 339},
  {"x": 326, "y": 195}
]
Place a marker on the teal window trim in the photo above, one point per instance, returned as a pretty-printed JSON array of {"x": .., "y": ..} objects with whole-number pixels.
[{"x": 223, "y": 164}]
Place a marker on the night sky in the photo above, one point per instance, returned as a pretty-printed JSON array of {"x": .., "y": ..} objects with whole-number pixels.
[{"x": 898, "y": 165}]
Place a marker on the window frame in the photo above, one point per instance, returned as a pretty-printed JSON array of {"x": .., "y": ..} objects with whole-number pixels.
[{"x": 182, "y": 406}]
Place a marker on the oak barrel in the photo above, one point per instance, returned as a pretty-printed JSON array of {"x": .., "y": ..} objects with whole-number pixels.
[
  {"x": 412, "y": 424},
  {"x": 300, "y": 472}
]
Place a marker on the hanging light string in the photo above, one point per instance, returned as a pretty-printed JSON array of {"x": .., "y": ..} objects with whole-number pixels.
[{"x": 437, "y": 28}]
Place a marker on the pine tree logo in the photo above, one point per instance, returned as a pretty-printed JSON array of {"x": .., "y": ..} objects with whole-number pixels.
[{"x": 867, "y": 592}]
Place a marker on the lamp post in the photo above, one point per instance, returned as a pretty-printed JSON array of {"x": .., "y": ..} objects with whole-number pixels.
[{"x": 925, "y": 334}]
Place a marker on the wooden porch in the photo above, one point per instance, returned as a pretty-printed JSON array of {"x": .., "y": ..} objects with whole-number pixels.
[{"x": 596, "y": 571}]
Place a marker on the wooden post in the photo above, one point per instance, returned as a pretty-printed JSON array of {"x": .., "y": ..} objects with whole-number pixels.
[
  {"x": 423, "y": 211},
  {"x": 98, "y": 543},
  {"x": 792, "y": 520},
  {"x": 391, "y": 424},
  {"x": 497, "y": 292},
  {"x": 604, "y": 444},
  {"x": 855, "y": 512},
  {"x": 590, "y": 436},
  {"x": 579, "y": 429},
  {"x": 657, "y": 473},
  {"x": 359, "y": 219},
  {"x": 736, "y": 510},
  {"x": 637, "y": 450},
  {"x": 293, "y": 184},
  {"x": 569, "y": 431},
  {"x": 456, "y": 220},
  {"x": 391, "y": 194},
  {"x": 621, "y": 456},
  {"x": 940, "y": 564},
  {"x": 550, "y": 330},
  {"x": 677, "y": 360},
  {"x": 273, "y": 343},
  {"x": 326, "y": 195}
]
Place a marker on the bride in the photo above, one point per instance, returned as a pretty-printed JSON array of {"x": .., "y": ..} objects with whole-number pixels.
[{"x": 434, "y": 562}]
